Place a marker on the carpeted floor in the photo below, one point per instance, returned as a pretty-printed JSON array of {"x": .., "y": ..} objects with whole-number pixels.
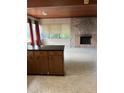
[{"x": 80, "y": 70}]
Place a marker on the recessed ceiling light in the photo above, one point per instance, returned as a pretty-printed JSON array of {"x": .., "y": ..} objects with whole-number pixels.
[{"x": 44, "y": 13}]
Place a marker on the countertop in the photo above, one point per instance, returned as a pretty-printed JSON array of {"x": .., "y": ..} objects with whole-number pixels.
[{"x": 49, "y": 48}]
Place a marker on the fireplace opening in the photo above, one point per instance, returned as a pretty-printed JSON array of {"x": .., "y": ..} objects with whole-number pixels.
[{"x": 85, "y": 40}]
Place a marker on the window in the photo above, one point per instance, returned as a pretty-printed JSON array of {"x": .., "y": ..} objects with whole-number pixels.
[
  {"x": 56, "y": 31},
  {"x": 65, "y": 32},
  {"x": 34, "y": 32},
  {"x": 46, "y": 30},
  {"x": 28, "y": 37},
  {"x": 28, "y": 34}
]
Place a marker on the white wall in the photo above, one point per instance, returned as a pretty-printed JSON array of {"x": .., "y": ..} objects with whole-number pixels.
[{"x": 65, "y": 42}]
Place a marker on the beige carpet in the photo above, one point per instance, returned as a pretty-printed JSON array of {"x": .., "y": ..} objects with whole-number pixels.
[{"x": 80, "y": 69}]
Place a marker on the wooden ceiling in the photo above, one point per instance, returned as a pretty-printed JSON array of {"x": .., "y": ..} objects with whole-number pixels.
[
  {"x": 61, "y": 8},
  {"x": 48, "y": 3}
]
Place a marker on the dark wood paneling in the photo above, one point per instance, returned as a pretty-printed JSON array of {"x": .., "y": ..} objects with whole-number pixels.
[
  {"x": 92, "y": 1},
  {"x": 30, "y": 63},
  {"x": 64, "y": 11},
  {"x": 53, "y": 53},
  {"x": 37, "y": 62},
  {"x": 41, "y": 62},
  {"x": 46, "y": 3},
  {"x": 45, "y": 62},
  {"x": 56, "y": 61}
]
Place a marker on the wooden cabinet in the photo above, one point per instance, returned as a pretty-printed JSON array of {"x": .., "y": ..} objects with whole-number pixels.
[
  {"x": 56, "y": 62},
  {"x": 30, "y": 63},
  {"x": 45, "y": 62},
  {"x": 41, "y": 62}
]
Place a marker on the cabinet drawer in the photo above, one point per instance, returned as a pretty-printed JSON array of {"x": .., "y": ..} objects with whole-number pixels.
[{"x": 55, "y": 52}]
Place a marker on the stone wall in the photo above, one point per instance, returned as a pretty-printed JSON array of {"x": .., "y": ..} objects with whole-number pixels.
[{"x": 83, "y": 26}]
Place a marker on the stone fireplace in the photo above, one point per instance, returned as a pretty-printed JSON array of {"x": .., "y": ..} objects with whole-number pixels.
[{"x": 84, "y": 32}]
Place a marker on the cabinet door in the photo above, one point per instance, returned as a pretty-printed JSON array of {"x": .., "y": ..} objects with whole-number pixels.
[
  {"x": 30, "y": 62},
  {"x": 56, "y": 66},
  {"x": 41, "y": 62}
]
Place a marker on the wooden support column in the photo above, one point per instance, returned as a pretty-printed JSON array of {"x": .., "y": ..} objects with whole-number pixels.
[
  {"x": 31, "y": 32},
  {"x": 37, "y": 33}
]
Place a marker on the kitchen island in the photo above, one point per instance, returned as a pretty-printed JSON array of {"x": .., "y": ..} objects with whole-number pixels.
[{"x": 47, "y": 60}]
